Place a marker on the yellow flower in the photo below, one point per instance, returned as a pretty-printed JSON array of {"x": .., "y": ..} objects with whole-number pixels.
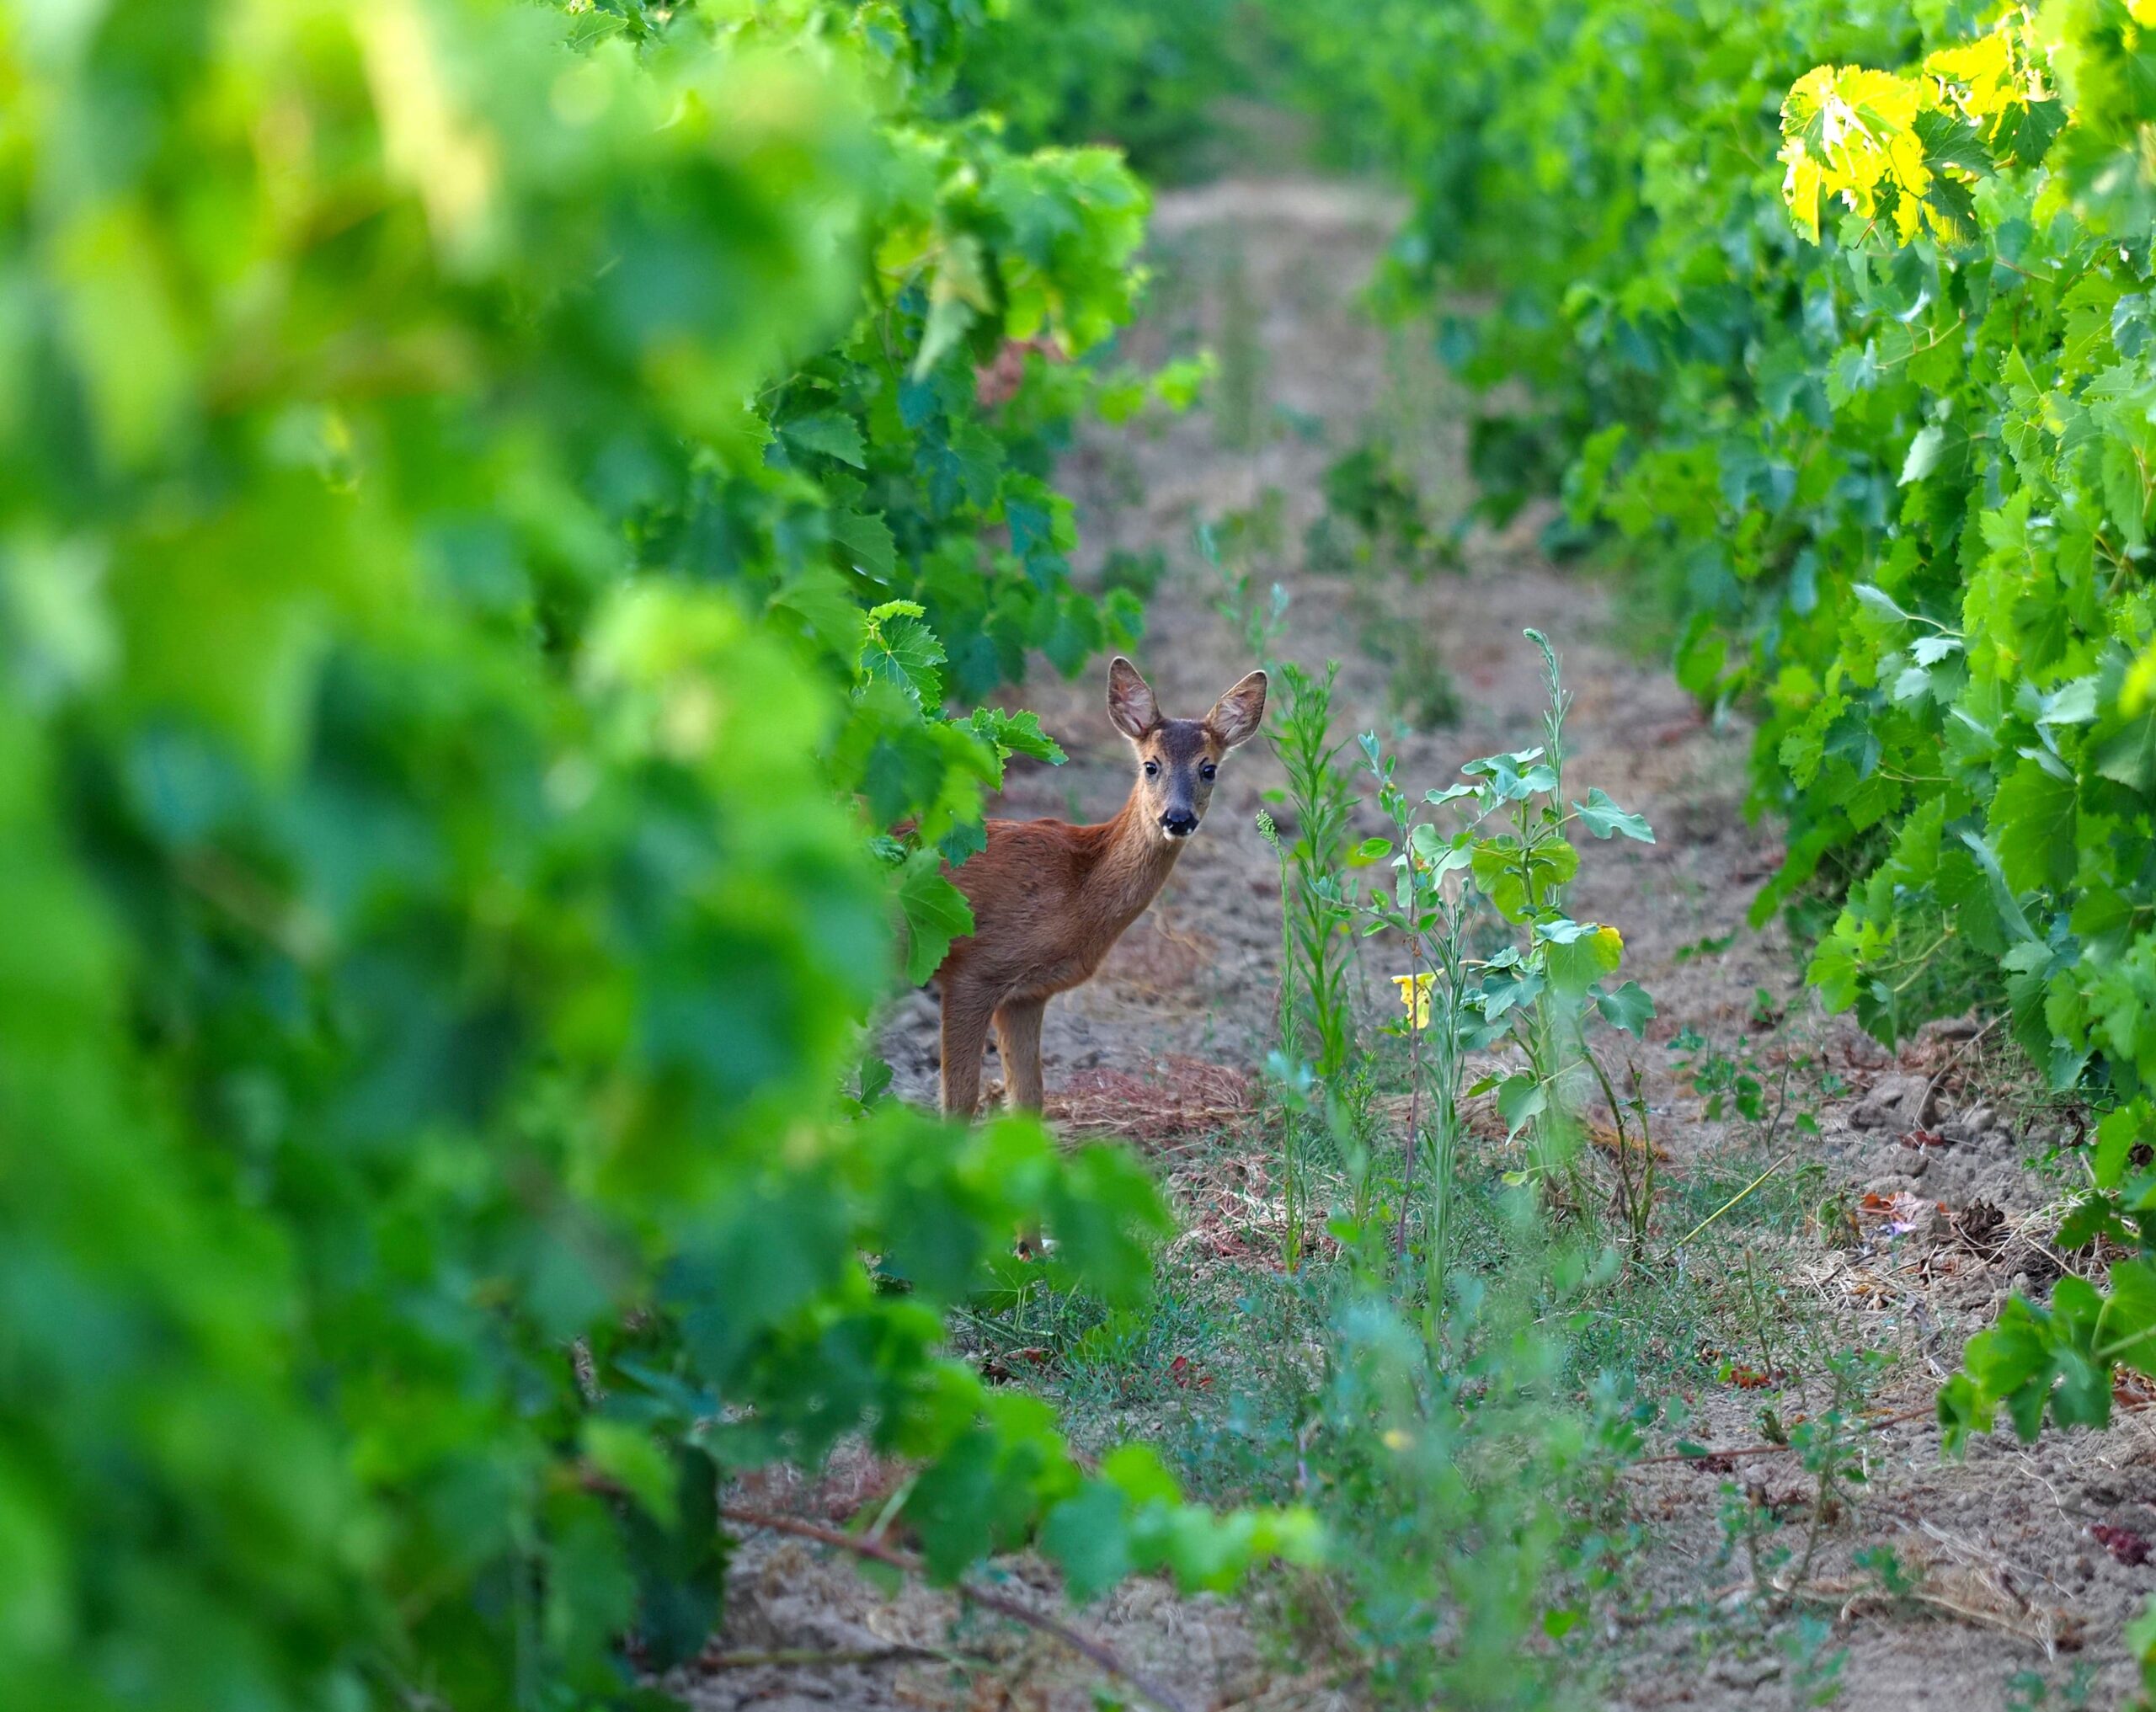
[
  {"x": 1415, "y": 995},
  {"x": 1394, "y": 1438}
]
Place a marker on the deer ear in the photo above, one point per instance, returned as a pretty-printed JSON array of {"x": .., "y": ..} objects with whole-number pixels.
[
  {"x": 1237, "y": 716},
  {"x": 1131, "y": 705}
]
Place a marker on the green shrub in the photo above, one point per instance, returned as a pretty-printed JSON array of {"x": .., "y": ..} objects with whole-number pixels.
[
  {"x": 479, "y": 482},
  {"x": 1845, "y": 314},
  {"x": 1880, "y": 467},
  {"x": 1140, "y": 74}
]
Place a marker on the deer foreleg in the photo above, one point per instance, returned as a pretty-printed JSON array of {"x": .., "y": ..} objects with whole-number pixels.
[{"x": 1018, "y": 1041}]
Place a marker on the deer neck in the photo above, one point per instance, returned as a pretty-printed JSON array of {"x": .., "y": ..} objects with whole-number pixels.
[{"x": 1135, "y": 861}]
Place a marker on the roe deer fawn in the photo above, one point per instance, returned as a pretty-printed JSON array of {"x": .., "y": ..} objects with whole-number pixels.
[{"x": 1049, "y": 899}]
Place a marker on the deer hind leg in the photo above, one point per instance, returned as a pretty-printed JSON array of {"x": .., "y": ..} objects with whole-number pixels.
[
  {"x": 965, "y": 1037},
  {"x": 1018, "y": 1041}
]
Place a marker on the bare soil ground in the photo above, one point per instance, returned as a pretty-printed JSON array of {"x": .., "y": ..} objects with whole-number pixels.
[{"x": 2016, "y": 1601}]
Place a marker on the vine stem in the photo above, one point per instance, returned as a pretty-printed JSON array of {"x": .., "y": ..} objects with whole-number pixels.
[
  {"x": 1415, "y": 1075},
  {"x": 988, "y": 1598}
]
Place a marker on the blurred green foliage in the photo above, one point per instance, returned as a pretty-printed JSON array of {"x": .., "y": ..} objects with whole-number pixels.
[
  {"x": 483, "y": 487},
  {"x": 1145, "y": 75}
]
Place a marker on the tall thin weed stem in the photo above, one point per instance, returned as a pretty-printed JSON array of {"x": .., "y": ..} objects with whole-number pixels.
[{"x": 1316, "y": 1017}]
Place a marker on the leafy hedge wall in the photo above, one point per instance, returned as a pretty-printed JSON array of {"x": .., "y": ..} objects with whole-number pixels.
[
  {"x": 1881, "y": 455},
  {"x": 1840, "y": 326},
  {"x": 1140, "y": 74},
  {"x": 483, "y": 487}
]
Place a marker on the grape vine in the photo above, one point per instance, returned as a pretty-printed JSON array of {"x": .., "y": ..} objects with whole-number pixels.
[{"x": 495, "y": 499}]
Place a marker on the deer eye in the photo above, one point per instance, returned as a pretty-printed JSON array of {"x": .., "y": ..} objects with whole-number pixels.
[
  {"x": 1152, "y": 770},
  {"x": 1207, "y": 772}
]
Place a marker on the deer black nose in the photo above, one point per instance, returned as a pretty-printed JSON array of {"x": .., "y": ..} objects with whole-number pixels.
[{"x": 1179, "y": 822}]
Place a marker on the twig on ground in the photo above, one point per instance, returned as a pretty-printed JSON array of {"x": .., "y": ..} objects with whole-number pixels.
[
  {"x": 1847, "y": 1596},
  {"x": 988, "y": 1598},
  {"x": 1727, "y": 1204},
  {"x": 1178, "y": 1095}
]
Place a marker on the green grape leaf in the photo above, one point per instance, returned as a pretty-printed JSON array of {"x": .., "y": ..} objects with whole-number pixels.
[
  {"x": 937, "y": 913},
  {"x": 2025, "y": 131},
  {"x": 830, "y": 432},
  {"x": 1875, "y": 598},
  {"x": 818, "y": 597},
  {"x": 2031, "y": 823},
  {"x": 1949, "y": 141},
  {"x": 1089, "y": 1538},
  {"x": 865, "y": 542},
  {"x": 2121, "y": 1130},
  {"x": 1924, "y": 453},
  {"x": 632, "y": 1458},
  {"x": 2127, "y": 751},
  {"x": 2125, "y": 1325},
  {"x": 2002, "y": 894},
  {"x": 899, "y": 648},
  {"x": 1017, "y": 734}
]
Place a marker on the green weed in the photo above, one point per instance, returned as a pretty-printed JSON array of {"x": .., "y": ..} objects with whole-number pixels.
[{"x": 1376, "y": 518}]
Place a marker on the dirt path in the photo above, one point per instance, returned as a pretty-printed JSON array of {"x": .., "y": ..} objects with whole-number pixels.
[
  {"x": 1193, "y": 976},
  {"x": 1269, "y": 274}
]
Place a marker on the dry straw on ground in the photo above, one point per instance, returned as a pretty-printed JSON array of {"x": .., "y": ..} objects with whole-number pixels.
[{"x": 1176, "y": 1096}]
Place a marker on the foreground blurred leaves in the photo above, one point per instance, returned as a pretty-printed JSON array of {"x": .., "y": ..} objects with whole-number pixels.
[{"x": 448, "y": 452}]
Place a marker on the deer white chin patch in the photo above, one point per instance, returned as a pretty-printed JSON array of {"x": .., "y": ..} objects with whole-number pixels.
[{"x": 1175, "y": 837}]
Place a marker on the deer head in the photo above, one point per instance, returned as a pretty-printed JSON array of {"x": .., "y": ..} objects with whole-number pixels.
[{"x": 1178, "y": 760}]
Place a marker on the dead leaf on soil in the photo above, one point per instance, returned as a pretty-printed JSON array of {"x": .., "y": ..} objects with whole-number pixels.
[
  {"x": 1981, "y": 1228},
  {"x": 2128, "y": 1547},
  {"x": 1005, "y": 1366},
  {"x": 1901, "y": 1211}
]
